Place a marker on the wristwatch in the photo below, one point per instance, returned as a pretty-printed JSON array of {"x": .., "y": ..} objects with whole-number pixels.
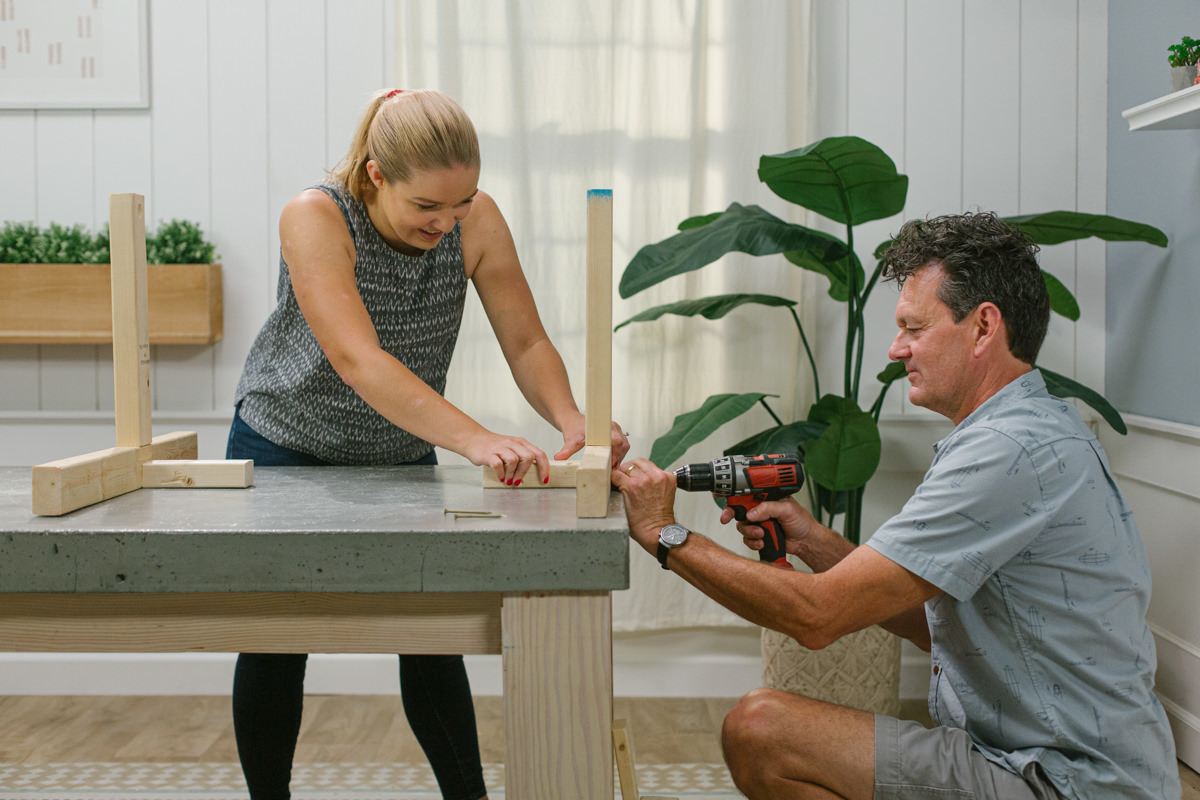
[{"x": 669, "y": 538}]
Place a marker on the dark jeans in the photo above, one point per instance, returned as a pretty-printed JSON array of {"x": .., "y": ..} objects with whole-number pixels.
[{"x": 268, "y": 688}]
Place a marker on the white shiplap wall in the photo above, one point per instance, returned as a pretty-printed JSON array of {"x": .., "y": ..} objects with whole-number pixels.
[
  {"x": 250, "y": 101},
  {"x": 996, "y": 105}
]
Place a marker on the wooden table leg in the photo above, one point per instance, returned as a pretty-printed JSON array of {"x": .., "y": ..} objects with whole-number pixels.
[{"x": 558, "y": 695}]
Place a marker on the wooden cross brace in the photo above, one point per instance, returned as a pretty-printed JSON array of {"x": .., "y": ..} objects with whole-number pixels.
[
  {"x": 590, "y": 475},
  {"x": 139, "y": 460}
]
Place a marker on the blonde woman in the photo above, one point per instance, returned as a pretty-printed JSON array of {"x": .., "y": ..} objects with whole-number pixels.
[{"x": 350, "y": 368}]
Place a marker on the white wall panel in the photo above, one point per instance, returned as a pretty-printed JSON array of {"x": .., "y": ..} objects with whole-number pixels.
[
  {"x": 1049, "y": 105},
  {"x": 241, "y": 219},
  {"x": 296, "y": 104},
  {"x": 67, "y": 377},
  {"x": 1091, "y": 190},
  {"x": 991, "y": 102},
  {"x": 19, "y": 363},
  {"x": 354, "y": 71},
  {"x": 179, "y": 115}
]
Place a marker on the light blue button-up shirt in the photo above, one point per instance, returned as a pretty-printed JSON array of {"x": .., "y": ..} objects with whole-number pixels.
[{"x": 1041, "y": 650}]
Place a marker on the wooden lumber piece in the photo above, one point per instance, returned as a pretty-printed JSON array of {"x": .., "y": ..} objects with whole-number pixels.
[
  {"x": 562, "y": 476},
  {"x": 130, "y": 315},
  {"x": 62, "y": 486},
  {"x": 179, "y": 444},
  {"x": 593, "y": 482},
  {"x": 206, "y": 474},
  {"x": 598, "y": 391}
]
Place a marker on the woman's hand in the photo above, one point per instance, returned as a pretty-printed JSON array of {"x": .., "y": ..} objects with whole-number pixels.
[
  {"x": 510, "y": 457},
  {"x": 574, "y": 438},
  {"x": 794, "y": 518}
]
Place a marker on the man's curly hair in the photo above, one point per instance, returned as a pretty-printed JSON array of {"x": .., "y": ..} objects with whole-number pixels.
[{"x": 984, "y": 260}]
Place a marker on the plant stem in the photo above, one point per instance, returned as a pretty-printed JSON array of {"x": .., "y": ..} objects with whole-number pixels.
[
  {"x": 812, "y": 362},
  {"x": 778, "y": 421},
  {"x": 851, "y": 328}
]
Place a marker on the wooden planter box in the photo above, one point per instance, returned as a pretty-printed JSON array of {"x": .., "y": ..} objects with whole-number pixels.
[{"x": 72, "y": 303}]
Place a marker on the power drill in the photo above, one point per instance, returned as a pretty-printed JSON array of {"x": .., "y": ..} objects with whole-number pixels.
[{"x": 748, "y": 481}]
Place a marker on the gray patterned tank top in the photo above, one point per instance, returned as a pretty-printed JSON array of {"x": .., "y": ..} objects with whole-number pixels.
[{"x": 290, "y": 393}]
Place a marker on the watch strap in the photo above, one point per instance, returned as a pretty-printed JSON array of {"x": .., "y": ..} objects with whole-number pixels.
[{"x": 662, "y": 555}]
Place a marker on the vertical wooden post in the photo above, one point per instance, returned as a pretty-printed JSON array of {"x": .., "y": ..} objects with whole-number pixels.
[
  {"x": 558, "y": 707},
  {"x": 131, "y": 339},
  {"x": 592, "y": 481}
]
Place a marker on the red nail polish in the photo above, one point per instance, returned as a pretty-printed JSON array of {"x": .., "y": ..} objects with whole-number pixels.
[
  {"x": 546, "y": 479},
  {"x": 517, "y": 483}
]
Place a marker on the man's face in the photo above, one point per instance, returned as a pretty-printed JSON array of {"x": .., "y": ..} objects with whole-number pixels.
[{"x": 936, "y": 350}]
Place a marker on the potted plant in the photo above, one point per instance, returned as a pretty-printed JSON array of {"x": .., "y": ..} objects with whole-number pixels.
[
  {"x": 850, "y": 181},
  {"x": 55, "y": 285},
  {"x": 1183, "y": 58}
]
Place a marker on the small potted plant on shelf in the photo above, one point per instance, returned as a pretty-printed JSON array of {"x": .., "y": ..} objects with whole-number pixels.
[
  {"x": 55, "y": 285},
  {"x": 1183, "y": 58}
]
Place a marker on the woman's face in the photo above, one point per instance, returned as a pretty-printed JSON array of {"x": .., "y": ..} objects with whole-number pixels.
[{"x": 413, "y": 216}]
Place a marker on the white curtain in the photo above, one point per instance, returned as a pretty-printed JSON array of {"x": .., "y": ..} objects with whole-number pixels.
[{"x": 669, "y": 105}]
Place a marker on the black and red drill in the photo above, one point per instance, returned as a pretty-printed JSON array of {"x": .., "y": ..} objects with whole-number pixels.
[{"x": 748, "y": 481}]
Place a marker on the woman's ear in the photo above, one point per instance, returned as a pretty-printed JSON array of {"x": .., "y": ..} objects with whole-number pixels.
[{"x": 374, "y": 173}]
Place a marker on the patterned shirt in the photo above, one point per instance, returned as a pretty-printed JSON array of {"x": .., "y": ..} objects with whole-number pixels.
[
  {"x": 1041, "y": 650},
  {"x": 291, "y": 394}
]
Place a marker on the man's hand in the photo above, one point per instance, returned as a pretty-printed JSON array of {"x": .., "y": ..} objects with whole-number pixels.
[
  {"x": 649, "y": 500},
  {"x": 794, "y": 518}
]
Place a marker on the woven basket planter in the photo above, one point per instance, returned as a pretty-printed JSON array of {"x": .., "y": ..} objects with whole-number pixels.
[{"x": 861, "y": 670}]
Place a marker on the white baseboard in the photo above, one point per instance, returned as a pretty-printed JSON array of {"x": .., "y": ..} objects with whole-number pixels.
[{"x": 701, "y": 663}]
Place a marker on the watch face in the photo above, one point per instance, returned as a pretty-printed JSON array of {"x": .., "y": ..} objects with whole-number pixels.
[{"x": 673, "y": 535}]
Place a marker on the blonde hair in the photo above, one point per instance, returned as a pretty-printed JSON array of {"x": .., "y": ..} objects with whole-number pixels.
[{"x": 406, "y": 132}]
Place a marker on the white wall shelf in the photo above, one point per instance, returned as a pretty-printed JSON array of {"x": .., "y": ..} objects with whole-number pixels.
[{"x": 1173, "y": 112}]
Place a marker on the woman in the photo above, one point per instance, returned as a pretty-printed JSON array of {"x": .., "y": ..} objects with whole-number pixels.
[{"x": 350, "y": 368}]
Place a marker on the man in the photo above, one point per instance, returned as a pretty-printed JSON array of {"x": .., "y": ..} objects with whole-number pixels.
[{"x": 1017, "y": 564}]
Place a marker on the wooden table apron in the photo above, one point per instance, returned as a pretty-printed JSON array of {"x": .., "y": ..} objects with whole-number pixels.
[{"x": 344, "y": 560}]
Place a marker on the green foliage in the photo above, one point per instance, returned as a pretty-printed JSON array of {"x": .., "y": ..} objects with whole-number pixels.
[
  {"x": 1186, "y": 53},
  {"x": 851, "y": 181},
  {"x": 176, "y": 242}
]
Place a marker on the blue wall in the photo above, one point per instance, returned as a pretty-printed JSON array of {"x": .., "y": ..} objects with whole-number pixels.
[{"x": 1153, "y": 295}]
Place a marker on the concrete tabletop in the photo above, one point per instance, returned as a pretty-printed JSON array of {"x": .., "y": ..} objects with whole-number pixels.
[{"x": 315, "y": 529}]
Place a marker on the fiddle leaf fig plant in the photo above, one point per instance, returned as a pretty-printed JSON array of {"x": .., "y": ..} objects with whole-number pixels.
[{"x": 850, "y": 181}]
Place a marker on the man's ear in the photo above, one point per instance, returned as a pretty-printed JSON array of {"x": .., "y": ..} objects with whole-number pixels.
[{"x": 990, "y": 328}]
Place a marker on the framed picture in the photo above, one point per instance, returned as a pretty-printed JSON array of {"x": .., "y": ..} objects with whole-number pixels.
[{"x": 74, "y": 54}]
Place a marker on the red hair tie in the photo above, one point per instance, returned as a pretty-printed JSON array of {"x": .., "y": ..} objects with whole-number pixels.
[{"x": 392, "y": 94}]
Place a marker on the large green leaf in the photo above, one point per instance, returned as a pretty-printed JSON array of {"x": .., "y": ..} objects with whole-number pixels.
[
  {"x": 837, "y": 271},
  {"x": 698, "y": 222},
  {"x": 845, "y": 178},
  {"x": 1054, "y": 227},
  {"x": 778, "y": 439},
  {"x": 1061, "y": 299},
  {"x": 743, "y": 229},
  {"x": 892, "y": 373},
  {"x": 708, "y": 307},
  {"x": 1062, "y": 386},
  {"x": 847, "y": 454},
  {"x": 694, "y": 427}
]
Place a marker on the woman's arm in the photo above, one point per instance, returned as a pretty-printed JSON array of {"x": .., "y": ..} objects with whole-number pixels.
[
  {"x": 493, "y": 266},
  {"x": 320, "y": 255}
]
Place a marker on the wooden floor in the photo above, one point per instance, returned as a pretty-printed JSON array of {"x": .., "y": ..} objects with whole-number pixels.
[{"x": 342, "y": 728}]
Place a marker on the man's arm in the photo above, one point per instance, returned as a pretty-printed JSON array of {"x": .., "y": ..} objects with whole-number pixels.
[{"x": 862, "y": 588}]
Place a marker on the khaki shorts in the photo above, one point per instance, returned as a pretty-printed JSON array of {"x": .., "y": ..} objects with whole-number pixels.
[{"x": 913, "y": 762}]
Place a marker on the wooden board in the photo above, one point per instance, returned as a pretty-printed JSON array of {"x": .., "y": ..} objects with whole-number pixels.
[
  {"x": 194, "y": 474},
  {"x": 131, "y": 337},
  {"x": 558, "y": 695},
  {"x": 260, "y": 622}
]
